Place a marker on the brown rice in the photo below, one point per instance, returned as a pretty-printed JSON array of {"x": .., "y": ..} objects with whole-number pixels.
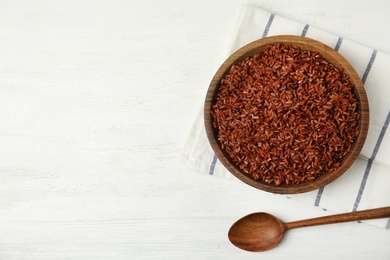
[{"x": 286, "y": 115}]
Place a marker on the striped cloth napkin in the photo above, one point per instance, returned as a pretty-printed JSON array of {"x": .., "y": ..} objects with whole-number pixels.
[{"x": 367, "y": 183}]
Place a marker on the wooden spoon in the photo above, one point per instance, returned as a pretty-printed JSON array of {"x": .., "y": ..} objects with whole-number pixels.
[{"x": 261, "y": 231}]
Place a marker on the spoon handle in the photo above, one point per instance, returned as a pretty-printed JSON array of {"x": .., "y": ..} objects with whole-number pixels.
[{"x": 344, "y": 217}]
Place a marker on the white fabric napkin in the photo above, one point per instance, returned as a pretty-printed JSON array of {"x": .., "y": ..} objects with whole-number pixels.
[{"x": 367, "y": 183}]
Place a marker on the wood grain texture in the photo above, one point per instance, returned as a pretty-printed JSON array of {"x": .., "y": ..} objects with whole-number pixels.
[
  {"x": 261, "y": 231},
  {"x": 257, "y": 232},
  {"x": 96, "y": 101},
  {"x": 304, "y": 43},
  {"x": 343, "y": 217}
]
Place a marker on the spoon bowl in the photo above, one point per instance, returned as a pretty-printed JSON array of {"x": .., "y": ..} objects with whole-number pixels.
[
  {"x": 257, "y": 232},
  {"x": 262, "y": 231}
]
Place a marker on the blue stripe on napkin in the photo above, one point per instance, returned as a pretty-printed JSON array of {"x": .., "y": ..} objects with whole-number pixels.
[{"x": 370, "y": 161}]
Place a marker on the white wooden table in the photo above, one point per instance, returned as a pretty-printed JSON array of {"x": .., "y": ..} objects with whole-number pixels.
[{"x": 96, "y": 101}]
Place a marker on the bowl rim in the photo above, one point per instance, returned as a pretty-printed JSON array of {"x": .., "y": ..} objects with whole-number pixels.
[{"x": 329, "y": 54}]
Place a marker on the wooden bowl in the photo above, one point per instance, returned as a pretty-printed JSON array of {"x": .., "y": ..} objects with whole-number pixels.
[{"x": 305, "y": 44}]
